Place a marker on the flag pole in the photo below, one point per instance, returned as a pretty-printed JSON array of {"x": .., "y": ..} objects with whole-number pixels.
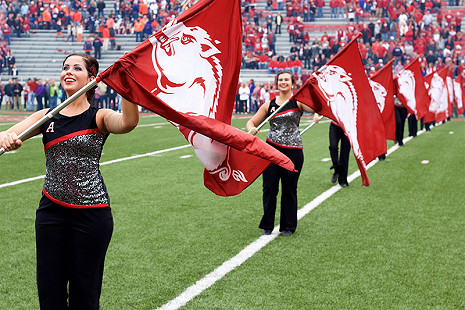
[
  {"x": 310, "y": 126},
  {"x": 272, "y": 114},
  {"x": 56, "y": 110}
]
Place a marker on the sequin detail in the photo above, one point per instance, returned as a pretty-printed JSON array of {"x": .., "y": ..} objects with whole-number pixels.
[
  {"x": 284, "y": 129},
  {"x": 72, "y": 171}
]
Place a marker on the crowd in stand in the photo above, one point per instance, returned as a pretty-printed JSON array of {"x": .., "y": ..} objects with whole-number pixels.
[
  {"x": 397, "y": 29},
  {"x": 390, "y": 29},
  {"x": 36, "y": 94},
  {"x": 73, "y": 17}
]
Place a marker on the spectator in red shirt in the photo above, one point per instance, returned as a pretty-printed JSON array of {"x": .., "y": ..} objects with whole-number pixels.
[
  {"x": 32, "y": 84},
  {"x": 458, "y": 21},
  {"x": 273, "y": 66},
  {"x": 106, "y": 37},
  {"x": 333, "y": 8},
  {"x": 439, "y": 18},
  {"x": 263, "y": 61},
  {"x": 448, "y": 17},
  {"x": 319, "y": 7}
]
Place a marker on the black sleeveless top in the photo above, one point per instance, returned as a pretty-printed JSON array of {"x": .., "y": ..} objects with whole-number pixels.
[
  {"x": 284, "y": 126},
  {"x": 73, "y": 146}
]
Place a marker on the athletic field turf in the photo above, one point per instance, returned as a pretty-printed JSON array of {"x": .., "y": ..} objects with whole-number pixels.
[{"x": 397, "y": 244}]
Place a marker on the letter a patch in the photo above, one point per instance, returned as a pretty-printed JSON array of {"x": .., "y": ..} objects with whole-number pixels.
[{"x": 51, "y": 127}]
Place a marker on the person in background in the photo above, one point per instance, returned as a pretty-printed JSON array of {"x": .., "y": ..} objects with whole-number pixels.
[
  {"x": 17, "y": 91},
  {"x": 2, "y": 94},
  {"x": 46, "y": 93},
  {"x": 88, "y": 46},
  {"x": 244, "y": 94},
  {"x": 9, "y": 95},
  {"x": 284, "y": 136},
  {"x": 97, "y": 44},
  {"x": 340, "y": 159},
  {"x": 401, "y": 114},
  {"x": 53, "y": 94},
  {"x": 40, "y": 94},
  {"x": 31, "y": 95}
]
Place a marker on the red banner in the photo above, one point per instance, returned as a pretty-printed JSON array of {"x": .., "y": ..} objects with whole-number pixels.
[{"x": 188, "y": 72}]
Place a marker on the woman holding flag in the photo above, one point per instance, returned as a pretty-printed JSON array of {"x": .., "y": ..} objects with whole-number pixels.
[
  {"x": 283, "y": 135},
  {"x": 74, "y": 223}
]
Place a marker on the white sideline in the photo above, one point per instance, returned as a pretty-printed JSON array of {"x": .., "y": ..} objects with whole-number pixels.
[
  {"x": 211, "y": 278},
  {"x": 101, "y": 164},
  {"x": 228, "y": 266}
]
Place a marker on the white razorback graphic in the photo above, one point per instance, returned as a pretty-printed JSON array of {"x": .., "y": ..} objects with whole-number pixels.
[
  {"x": 458, "y": 94},
  {"x": 438, "y": 94},
  {"x": 450, "y": 88},
  {"x": 188, "y": 79},
  {"x": 380, "y": 94},
  {"x": 335, "y": 83},
  {"x": 406, "y": 80}
]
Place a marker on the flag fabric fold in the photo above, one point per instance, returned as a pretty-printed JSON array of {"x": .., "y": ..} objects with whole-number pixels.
[
  {"x": 188, "y": 72},
  {"x": 459, "y": 94},
  {"x": 338, "y": 91},
  {"x": 435, "y": 82},
  {"x": 410, "y": 89},
  {"x": 382, "y": 84},
  {"x": 450, "y": 89}
]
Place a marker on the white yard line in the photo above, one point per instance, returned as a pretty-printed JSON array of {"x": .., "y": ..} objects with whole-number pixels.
[
  {"x": 101, "y": 164},
  {"x": 250, "y": 250}
]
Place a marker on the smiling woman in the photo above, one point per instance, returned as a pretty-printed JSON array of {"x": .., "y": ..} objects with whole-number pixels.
[
  {"x": 283, "y": 135},
  {"x": 74, "y": 223}
]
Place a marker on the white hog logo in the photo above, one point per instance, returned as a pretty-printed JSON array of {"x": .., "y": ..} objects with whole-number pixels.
[
  {"x": 450, "y": 88},
  {"x": 406, "y": 80},
  {"x": 380, "y": 94},
  {"x": 458, "y": 94},
  {"x": 438, "y": 94},
  {"x": 188, "y": 79},
  {"x": 335, "y": 83},
  {"x": 188, "y": 73}
]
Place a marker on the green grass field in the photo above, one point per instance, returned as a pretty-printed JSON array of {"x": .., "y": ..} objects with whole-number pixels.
[{"x": 397, "y": 244}]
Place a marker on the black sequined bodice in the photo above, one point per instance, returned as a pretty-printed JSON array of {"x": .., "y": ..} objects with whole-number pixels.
[{"x": 73, "y": 146}]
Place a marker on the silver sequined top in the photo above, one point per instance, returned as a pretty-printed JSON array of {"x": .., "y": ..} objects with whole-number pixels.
[
  {"x": 73, "y": 146},
  {"x": 284, "y": 126}
]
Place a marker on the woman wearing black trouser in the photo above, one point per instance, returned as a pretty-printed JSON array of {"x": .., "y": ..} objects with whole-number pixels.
[
  {"x": 340, "y": 160},
  {"x": 401, "y": 115},
  {"x": 74, "y": 223},
  {"x": 412, "y": 125},
  {"x": 283, "y": 135}
]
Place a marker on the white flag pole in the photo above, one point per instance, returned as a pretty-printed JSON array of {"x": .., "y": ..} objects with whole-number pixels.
[
  {"x": 56, "y": 110},
  {"x": 310, "y": 126},
  {"x": 272, "y": 115}
]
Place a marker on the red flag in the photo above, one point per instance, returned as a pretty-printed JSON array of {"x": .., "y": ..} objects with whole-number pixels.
[
  {"x": 338, "y": 91},
  {"x": 382, "y": 84},
  {"x": 459, "y": 94},
  {"x": 435, "y": 82},
  {"x": 187, "y": 72},
  {"x": 411, "y": 89},
  {"x": 450, "y": 89}
]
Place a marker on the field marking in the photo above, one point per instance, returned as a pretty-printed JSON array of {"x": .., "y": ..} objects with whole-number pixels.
[
  {"x": 101, "y": 164},
  {"x": 251, "y": 249}
]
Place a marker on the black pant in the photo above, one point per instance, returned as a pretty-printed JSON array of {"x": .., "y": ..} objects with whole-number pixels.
[
  {"x": 401, "y": 115},
  {"x": 40, "y": 104},
  {"x": 340, "y": 161},
  {"x": 97, "y": 52},
  {"x": 71, "y": 247},
  {"x": 412, "y": 126},
  {"x": 271, "y": 177}
]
